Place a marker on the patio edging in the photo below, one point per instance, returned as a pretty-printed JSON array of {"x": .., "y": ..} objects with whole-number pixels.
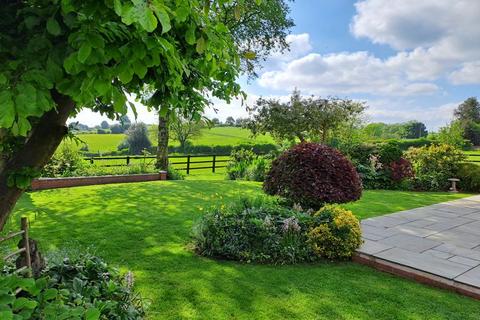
[
  {"x": 417, "y": 275},
  {"x": 54, "y": 183}
]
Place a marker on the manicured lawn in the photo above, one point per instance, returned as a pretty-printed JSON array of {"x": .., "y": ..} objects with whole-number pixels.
[
  {"x": 218, "y": 136},
  {"x": 145, "y": 227}
]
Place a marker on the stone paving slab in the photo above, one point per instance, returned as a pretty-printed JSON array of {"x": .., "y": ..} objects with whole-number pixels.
[{"x": 442, "y": 240}]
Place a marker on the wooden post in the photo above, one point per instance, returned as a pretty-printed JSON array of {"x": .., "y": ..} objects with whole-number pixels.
[
  {"x": 24, "y": 226},
  {"x": 213, "y": 163},
  {"x": 91, "y": 160},
  {"x": 128, "y": 160},
  {"x": 188, "y": 164}
]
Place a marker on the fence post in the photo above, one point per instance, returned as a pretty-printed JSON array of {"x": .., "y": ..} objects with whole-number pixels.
[
  {"x": 91, "y": 160},
  {"x": 128, "y": 160},
  {"x": 24, "y": 226},
  {"x": 188, "y": 164},
  {"x": 213, "y": 163}
]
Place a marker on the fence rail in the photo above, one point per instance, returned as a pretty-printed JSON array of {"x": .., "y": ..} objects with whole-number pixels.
[
  {"x": 190, "y": 160},
  {"x": 25, "y": 249}
]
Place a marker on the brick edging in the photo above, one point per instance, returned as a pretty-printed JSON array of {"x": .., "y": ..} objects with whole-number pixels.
[
  {"x": 53, "y": 183},
  {"x": 417, "y": 275}
]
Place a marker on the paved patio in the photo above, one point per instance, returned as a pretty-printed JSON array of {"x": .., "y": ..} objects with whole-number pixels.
[{"x": 438, "y": 244}]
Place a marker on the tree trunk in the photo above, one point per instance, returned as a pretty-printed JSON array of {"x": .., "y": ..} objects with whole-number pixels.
[
  {"x": 162, "y": 149},
  {"x": 39, "y": 147}
]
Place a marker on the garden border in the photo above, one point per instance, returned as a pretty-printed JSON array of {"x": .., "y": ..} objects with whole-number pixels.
[{"x": 54, "y": 183}]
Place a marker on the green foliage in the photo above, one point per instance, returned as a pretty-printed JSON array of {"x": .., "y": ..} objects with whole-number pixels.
[
  {"x": 337, "y": 236},
  {"x": 84, "y": 288},
  {"x": 415, "y": 130},
  {"x": 303, "y": 118},
  {"x": 434, "y": 165},
  {"x": 22, "y": 178},
  {"x": 468, "y": 115},
  {"x": 452, "y": 135},
  {"x": 406, "y": 130},
  {"x": 137, "y": 139},
  {"x": 174, "y": 174},
  {"x": 244, "y": 164},
  {"x": 389, "y": 152},
  {"x": 469, "y": 175},
  {"x": 261, "y": 230},
  {"x": 66, "y": 162}
]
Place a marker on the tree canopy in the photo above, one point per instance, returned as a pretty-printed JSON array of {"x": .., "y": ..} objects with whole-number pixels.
[
  {"x": 310, "y": 118},
  {"x": 59, "y": 57}
]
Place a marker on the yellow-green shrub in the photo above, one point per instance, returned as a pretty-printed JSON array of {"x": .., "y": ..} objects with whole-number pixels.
[{"x": 337, "y": 236}]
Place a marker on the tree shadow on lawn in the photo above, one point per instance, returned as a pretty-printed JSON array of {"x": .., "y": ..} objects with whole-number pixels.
[{"x": 145, "y": 227}]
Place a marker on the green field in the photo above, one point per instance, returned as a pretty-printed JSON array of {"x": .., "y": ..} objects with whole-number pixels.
[
  {"x": 219, "y": 136},
  {"x": 145, "y": 227}
]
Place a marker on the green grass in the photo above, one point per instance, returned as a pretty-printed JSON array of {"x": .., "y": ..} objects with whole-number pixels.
[
  {"x": 218, "y": 136},
  {"x": 145, "y": 227}
]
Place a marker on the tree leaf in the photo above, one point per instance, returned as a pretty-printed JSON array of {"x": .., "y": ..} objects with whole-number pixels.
[
  {"x": 53, "y": 27},
  {"x": 147, "y": 20},
  {"x": 201, "y": 45},
  {"x": 84, "y": 52},
  {"x": 162, "y": 16},
  {"x": 7, "y": 109},
  {"x": 92, "y": 314},
  {"x": 190, "y": 35},
  {"x": 3, "y": 79}
]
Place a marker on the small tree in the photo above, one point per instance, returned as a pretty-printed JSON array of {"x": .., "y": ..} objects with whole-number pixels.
[
  {"x": 303, "y": 118},
  {"x": 452, "y": 135},
  {"x": 116, "y": 129},
  {"x": 468, "y": 114},
  {"x": 215, "y": 122},
  {"x": 137, "y": 138},
  {"x": 125, "y": 122},
  {"x": 184, "y": 129},
  {"x": 104, "y": 125},
  {"x": 230, "y": 121}
]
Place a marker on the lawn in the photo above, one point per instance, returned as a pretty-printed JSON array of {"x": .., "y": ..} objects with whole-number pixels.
[
  {"x": 218, "y": 136},
  {"x": 145, "y": 227}
]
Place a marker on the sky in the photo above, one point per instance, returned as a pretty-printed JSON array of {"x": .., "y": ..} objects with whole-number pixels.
[{"x": 407, "y": 59}]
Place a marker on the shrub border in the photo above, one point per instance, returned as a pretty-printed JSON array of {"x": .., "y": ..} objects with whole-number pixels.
[{"x": 54, "y": 183}]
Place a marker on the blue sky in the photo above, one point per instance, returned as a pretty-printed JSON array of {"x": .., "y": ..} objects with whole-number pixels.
[{"x": 408, "y": 59}]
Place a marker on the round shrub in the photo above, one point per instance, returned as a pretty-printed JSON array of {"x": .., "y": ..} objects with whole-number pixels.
[
  {"x": 313, "y": 175},
  {"x": 337, "y": 236}
]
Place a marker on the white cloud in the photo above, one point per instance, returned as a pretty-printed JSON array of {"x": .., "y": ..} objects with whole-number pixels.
[
  {"x": 300, "y": 45},
  {"x": 469, "y": 73},
  {"x": 344, "y": 73},
  {"x": 435, "y": 36}
]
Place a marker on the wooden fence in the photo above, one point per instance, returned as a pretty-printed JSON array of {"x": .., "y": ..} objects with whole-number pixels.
[
  {"x": 212, "y": 163},
  {"x": 25, "y": 250},
  {"x": 473, "y": 157}
]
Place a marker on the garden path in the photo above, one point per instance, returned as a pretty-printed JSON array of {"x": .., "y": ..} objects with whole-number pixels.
[{"x": 438, "y": 245}]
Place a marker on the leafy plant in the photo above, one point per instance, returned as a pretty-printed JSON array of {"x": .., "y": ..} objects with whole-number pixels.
[
  {"x": 337, "y": 236},
  {"x": 434, "y": 165},
  {"x": 313, "y": 175},
  {"x": 67, "y": 161},
  {"x": 84, "y": 288},
  {"x": 244, "y": 164},
  {"x": 469, "y": 175}
]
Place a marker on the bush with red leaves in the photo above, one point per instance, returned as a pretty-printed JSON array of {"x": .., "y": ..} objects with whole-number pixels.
[
  {"x": 400, "y": 170},
  {"x": 313, "y": 175}
]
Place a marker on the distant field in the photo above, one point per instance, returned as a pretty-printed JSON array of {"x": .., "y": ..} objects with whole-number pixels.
[{"x": 216, "y": 136}]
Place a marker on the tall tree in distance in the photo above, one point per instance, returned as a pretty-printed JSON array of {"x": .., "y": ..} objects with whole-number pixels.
[
  {"x": 258, "y": 29},
  {"x": 183, "y": 129},
  {"x": 415, "y": 130},
  {"x": 468, "y": 115}
]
